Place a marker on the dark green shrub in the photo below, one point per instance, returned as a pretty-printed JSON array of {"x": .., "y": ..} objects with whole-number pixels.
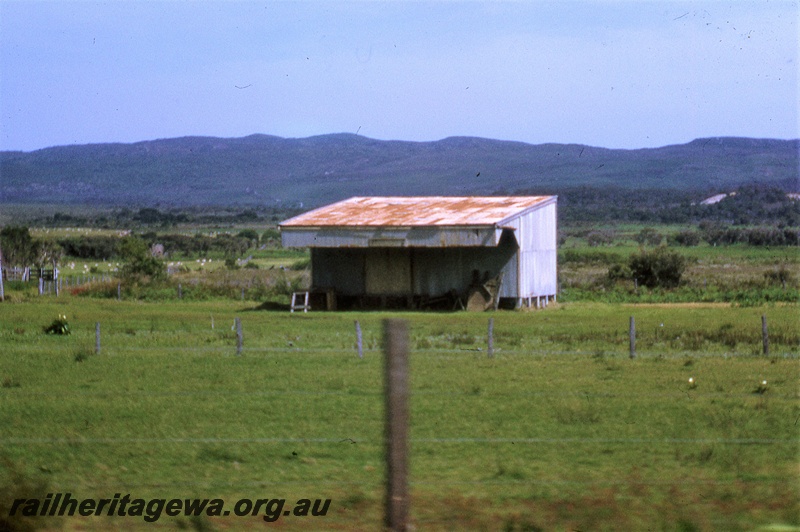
[
  {"x": 618, "y": 272},
  {"x": 600, "y": 238},
  {"x": 657, "y": 268},
  {"x": 249, "y": 234},
  {"x": 140, "y": 263},
  {"x": 686, "y": 237},
  {"x": 17, "y": 245}
]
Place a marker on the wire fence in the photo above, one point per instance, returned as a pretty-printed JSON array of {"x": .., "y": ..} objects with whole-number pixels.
[
  {"x": 441, "y": 443},
  {"x": 522, "y": 440}
]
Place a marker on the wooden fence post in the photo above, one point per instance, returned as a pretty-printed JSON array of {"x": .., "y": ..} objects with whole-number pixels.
[
  {"x": 632, "y": 335},
  {"x": 97, "y": 338},
  {"x": 490, "y": 349},
  {"x": 41, "y": 286},
  {"x": 2, "y": 290},
  {"x": 238, "y": 336},
  {"x": 180, "y": 292},
  {"x": 359, "y": 343},
  {"x": 395, "y": 363},
  {"x": 764, "y": 335},
  {"x": 119, "y": 291}
]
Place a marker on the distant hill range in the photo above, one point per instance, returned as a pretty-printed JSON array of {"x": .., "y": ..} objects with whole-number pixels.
[{"x": 274, "y": 171}]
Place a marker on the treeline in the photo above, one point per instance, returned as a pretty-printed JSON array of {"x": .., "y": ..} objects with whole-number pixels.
[
  {"x": 750, "y": 205},
  {"x": 713, "y": 233},
  {"x": 125, "y": 218},
  {"x": 716, "y": 234},
  {"x": 198, "y": 245},
  {"x": 21, "y": 249}
]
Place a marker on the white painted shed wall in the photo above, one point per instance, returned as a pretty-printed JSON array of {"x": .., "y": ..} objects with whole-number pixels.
[{"x": 537, "y": 257}]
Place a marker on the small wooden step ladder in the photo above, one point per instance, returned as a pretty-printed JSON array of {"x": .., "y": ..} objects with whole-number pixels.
[{"x": 298, "y": 306}]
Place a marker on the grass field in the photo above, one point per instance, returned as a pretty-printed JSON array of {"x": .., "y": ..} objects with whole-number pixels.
[{"x": 559, "y": 431}]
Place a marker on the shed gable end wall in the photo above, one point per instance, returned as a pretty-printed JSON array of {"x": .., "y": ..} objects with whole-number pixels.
[{"x": 536, "y": 232}]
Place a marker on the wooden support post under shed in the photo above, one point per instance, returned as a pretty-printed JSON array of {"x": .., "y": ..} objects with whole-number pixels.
[{"x": 330, "y": 299}]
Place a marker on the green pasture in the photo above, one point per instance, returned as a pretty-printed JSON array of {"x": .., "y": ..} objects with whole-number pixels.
[{"x": 559, "y": 430}]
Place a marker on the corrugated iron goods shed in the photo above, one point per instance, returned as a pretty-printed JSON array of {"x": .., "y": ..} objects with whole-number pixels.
[{"x": 419, "y": 250}]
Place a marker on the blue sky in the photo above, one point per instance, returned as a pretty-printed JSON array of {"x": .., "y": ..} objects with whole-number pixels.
[{"x": 612, "y": 74}]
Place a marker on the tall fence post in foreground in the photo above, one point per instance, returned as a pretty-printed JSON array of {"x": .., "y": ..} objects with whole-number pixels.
[
  {"x": 490, "y": 349},
  {"x": 41, "y": 286},
  {"x": 359, "y": 343},
  {"x": 764, "y": 335},
  {"x": 632, "y": 334},
  {"x": 395, "y": 382},
  {"x": 119, "y": 291},
  {"x": 180, "y": 292},
  {"x": 97, "y": 338},
  {"x": 238, "y": 336}
]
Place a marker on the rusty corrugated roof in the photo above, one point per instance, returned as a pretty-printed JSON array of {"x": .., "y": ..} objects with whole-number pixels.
[{"x": 409, "y": 211}]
